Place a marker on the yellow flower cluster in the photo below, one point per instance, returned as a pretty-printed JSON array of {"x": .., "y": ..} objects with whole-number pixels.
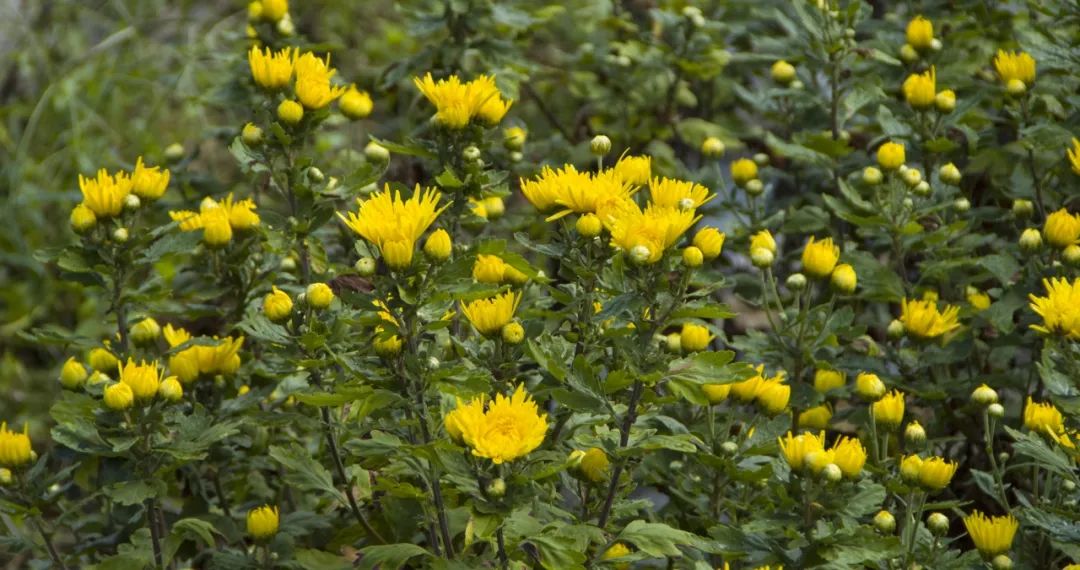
[
  {"x": 456, "y": 102},
  {"x": 106, "y": 195},
  {"x": 313, "y": 86},
  {"x": 807, "y": 451},
  {"x": 489, "y": 316},
  {"x": 923, "y": 320},
  {"x": 502, "y": 430},
  {"x": 770, "y": 394},
  {"x": 394, "y": 224},
  {"x": 1015, "y": 66},
  {"x": 1059, "y": 309},
  {"x": 576, "y": 192},
  {"x": 218, "y": 220},
  {"x": 202, "y": 360}
]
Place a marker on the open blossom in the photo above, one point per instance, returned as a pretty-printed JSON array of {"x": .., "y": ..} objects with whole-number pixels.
[
  {"x": 457, "y": 103},
  {"x": 489, "y": 316},
  {"x": 1059, "y": 309},
  {"x": 313, "y": 87},
  {"x": 504, "y": 429},
  {"x": 923, "y": 320},
  {"x": 646, "y": 234},
  {"x": 394, "y": 224},
  {"x": 1018, "y": 66},
  {"x": 104, "y": 194}
]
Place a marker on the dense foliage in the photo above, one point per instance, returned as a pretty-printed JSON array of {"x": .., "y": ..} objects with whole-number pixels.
[{"x": 472, "y": 284}]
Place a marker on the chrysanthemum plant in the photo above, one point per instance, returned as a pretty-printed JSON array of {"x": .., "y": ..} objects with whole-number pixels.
[{"x": 444, "y": 353}]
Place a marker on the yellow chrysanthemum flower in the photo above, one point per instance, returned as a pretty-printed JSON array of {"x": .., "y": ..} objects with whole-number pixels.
[
  {"x": 143, "y": 378},
  {"x": 241, "y": 213},
  {"x": 922, "y": 320},
  {"x": 772, "y": 395},
  {"x": 921, "y": 88},
  {"x": 272, "y": 70},
  {"x": 594, "y": 464},
  {"x": 849, "y": 455},
  {"x": 763, "y": 240},
  {"x": 1074, "y": 156},
  {"x": 1062, "y": 229},
  {"x": 355, "y": 103},
  {"x": 149, "y": 182},
  {"x": 313, "y": 87},
  {"x": 586, "y": 193},
  {"x": 507, "y": 429},
  {"x": 15, "y": 449},
  {"x": 825, "y": 380},
  {"x": 889, "y": 410},
  {"x": 393, "y": 224},
  {"x": 716, "y": 393},
  {"x": 935, "y": 473},
  {"x": 545, "y": 189},
  {"x": 646, "y": 235},
  {"x": 891, "y": 155},
  {"x": 695, "y": 338},
  {"x": 747, "y": 389},
  {"x": 680, "y": 194},
  {"x": 819, "y": 257},
  {"x": 920, "y": 33},
  {"x": 489, "y": 269},
  {"x": 910, "y": 466},
  {"x": 710, "y": 241},
  {"x": 1018, "y": 66},
  {"x": 991, "y": 535},
  {"x": 489, "y": 316},
  {"x": 979, "y": 300},
  {"x": 1059, "y": 309},
  {"x": 1043, "y": 418},
  {"x": 815, "y": 418},
  {"x": 105, "y": 194},
  {"x": 796, "y": 448},
  {"x": 457, "y": 103},
  {"x": 634, "y": 170},
  {"x": 262, "y": 522}
]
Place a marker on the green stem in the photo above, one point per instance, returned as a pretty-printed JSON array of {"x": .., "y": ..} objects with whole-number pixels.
[{"x": 53, "y": 553}]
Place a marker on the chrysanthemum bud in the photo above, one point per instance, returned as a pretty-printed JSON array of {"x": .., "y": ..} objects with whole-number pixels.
[
  {"x": 914, "y": 434},
  {"x": 743, "y": 170},
  {"x": 514, "y": 138},
  {"x": 761, "y": 159},
  {"x": 921, "y": 189},
  {"x": 132, "y": 202},
  {"x": 961, "y": 205},
  {"x": 73, "y": 374},
  {"x": 938, "y": 524},
  {"x": 869, "y": 386},
  {"x": 832, "y": 473},
  {"x": 513, "y": 333},
  {"x": 908, "y": 54},
  {"x": 872, "y": 175},
  {"x": 376, "y": 152},
  {"x": 844, "y": 279},
  {"x": 885, "y": 522},
  {"x": 471, "y": 153},
  {"x": 782, "y": 72},
  {"x": 387, "y": 347},
  {"x": 796, "y": 282},
  {"x": 1002, "y": 562},
  {"x": 640, "y": 254},
  {"x": 589, "y": 226},
  {"x": 319, "y": 295},
  {"x": 82, "y": 219},
  {"x": 692, "y": 257},
  {"x": 494, "y": 207},
  {"x": 171, "y": 389},
  {"x": 713, "y": 147},
  {"x": 945, "y": 101},
  {"x": 729, "y": 448},
  {"x": 365, "y": 266},
  {"x": 762, "y": 257},
  {"x": 286, "y": 27},
  {"x": 755, "y": 187},
  {"x": 1023, "y": 208},
  {"x": 174, "y": 152},
  {"x": 1068, "y": 485},
  {"x": 290, "y": 112},
  {"x": 911, "y": 176},
  {"x": 1004, "y": 456},
  {"x": 145, "y": 331},
  {"x": 315, "y": 174},
  {"x": 102, "y": 360},
  {"x": 949, "y": 174},
  {"x": 287, "y": 264},
  {"x": 119, "y": 397},
  {"x": 1071, "y": 254},
  {"x": 516, "y": 156},
  {"x": 5, "y": 476},
  {"x": 251, "y": 135},
  {"x": 600, "y": 145},
  {"x": 1016, "y": 87},
  {"x": 984, "y": 395},
  {"x": 497, "y": 487},
  {"x": 710, "y": 241},
  {"x": 437, "y": 247},
  {"x": 120, "y": 235},
  {"x": 935, "y": 44},
  {"x": 1030, "y": 240},
  {"x": 996, "y": 411},
  {"x": 277, "y": 305},
  {"x": 355, "y": 104},
  {"x": 673, "y": 341}
]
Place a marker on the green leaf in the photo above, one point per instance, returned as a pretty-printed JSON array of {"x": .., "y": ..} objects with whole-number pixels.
[
  {"x": 389, "y": 556},
  {"x": 407, "y": 149},
  {"x": 192, "y": 529},
  {"x": 660, "y": 540},
  {"x": 321, "y": 560},
  {"x": 133, "y": 492},
  {"x": 303, "y": 472}
]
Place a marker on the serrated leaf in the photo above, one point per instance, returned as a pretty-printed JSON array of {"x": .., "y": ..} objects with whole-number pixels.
[
  {"x": 303, "y": 472},
  {"x": 389, "y": 556}
]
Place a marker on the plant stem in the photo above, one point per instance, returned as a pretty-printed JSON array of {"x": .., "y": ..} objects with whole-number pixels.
[
  {"x": 504, "y": 560},
  {"x": 624, "y": 438},
  {"x": 339, "y": 467},
  {"x": 988, "y": 438},
  {"x": 151, "y": 521},
  {"x": 53, "y": 553}
]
